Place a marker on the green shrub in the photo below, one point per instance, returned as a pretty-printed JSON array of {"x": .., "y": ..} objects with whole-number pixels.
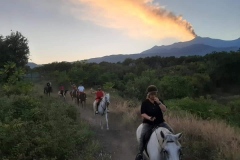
[
  {"x": 204, "y": 108},
  {"x": 19, "y": 88},
  {"x": 208, "y": 108},
  {"x": 32, "y": 128},
  {"x": 175, "y": 87}
]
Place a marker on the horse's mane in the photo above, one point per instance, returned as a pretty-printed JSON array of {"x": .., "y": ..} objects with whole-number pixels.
[{"x": 105, "y": 95}]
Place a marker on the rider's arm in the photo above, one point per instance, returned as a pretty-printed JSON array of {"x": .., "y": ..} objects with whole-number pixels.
[
  {"x": 161, "y": 105},
  {"x": 144, "y": 112},
  {"x": 144, "y": 115}
]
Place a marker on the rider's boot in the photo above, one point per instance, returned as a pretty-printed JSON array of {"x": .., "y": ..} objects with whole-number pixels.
[
  {"x": 139, "y": 156},
  {"x": 96, "y": 112}
]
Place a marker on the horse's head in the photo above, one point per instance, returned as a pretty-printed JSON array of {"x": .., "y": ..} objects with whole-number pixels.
[
  {"x": 107, "y": 98},
  {"x": 171, "y": 148}
]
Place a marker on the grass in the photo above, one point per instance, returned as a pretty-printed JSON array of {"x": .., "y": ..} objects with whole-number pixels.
[
  {"x": 204, "y": 123},
  {"x": 208, "y": 137}
]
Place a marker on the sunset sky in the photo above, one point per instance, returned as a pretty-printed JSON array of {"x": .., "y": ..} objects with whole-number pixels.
[{"x": 71, "y": 30}]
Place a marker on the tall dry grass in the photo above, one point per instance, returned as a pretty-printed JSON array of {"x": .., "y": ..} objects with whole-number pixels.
[
  {"x": 203, "y": 139},
  {"x": 222, "y": 140}
]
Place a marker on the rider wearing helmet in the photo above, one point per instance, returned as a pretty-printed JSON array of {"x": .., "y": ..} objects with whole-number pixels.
[
  {"x": 49, "y": 84},
  {"x": 152, "y": 113},
  {"x": 99, "y": 95},
  {"x": 48, "y": 87}
]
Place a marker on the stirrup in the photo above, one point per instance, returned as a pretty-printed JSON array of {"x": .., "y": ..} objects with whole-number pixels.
[{"x": 139, "y": 157}]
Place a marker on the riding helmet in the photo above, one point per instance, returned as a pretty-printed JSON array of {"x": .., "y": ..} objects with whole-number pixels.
[{"x": 152, "y": 88}]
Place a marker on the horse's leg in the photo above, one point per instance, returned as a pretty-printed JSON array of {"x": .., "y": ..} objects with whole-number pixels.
[
  {"x": 78, "y": 101},
  {"x": 101, "y": 124},
  {"x": 106, "y": 116},
  {"x": 94, "y": 107},
  {"x": 82, "y": 103}
]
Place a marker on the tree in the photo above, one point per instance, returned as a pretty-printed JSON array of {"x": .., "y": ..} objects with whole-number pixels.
[
  {"x": 14, "y": 48},
  {"x": 175, "y": 87},
  {"x": 11, "y": 73}
]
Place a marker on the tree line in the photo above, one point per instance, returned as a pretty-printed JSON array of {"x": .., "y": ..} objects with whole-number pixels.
[{"x": 191, "y": 76}]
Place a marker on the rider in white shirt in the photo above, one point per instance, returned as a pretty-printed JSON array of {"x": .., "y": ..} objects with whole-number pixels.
[{"x": 81, "y": 88}]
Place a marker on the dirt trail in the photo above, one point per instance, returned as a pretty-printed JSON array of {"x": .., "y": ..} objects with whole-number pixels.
[{"x": 119, "y": 142}]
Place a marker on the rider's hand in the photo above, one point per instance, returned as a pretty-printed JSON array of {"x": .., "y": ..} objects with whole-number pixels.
[
  {"x": 152, "y": 119},
  {"x": 157, "y": 100}
]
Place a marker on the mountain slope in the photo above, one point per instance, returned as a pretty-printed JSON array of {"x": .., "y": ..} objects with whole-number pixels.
[
  {"x": 32, "y": 65},
  {"x": 197, "y": 46}
]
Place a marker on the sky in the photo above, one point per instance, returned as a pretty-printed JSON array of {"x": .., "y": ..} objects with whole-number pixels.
[{"x": 72, "y": 30}]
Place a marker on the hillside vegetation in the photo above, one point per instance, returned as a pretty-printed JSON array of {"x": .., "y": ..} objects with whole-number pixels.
[
  {"x": 210, "y": 78},
  {"x": 33, "y": 126},
  {"x": 201, "y": 92}
]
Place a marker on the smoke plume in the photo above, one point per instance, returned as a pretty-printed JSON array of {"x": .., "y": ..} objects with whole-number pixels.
[{"x": 137, "y": 18}]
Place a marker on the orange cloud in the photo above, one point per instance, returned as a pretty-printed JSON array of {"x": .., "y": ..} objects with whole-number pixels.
[{"x": 137, "y": 18}]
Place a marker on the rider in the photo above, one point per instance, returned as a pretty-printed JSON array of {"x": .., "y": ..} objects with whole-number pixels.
[
  {"x": 99, "y": 96},
  {"x": 152, "y": 113},
  {"x": 74, "y": 87},
  {"x": 61, "y": 88},
  {"x": 81, "y": 88},
  {"x": 49, "y": 84}
]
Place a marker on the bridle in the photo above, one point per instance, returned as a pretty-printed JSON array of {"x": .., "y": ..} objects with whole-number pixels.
[{"x": 163, "y": 151}]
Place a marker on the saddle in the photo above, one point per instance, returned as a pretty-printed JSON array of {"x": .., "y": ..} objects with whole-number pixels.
[{"x": 63, "y": 93}]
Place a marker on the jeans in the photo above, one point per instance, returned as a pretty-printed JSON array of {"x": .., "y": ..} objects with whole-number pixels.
[
  {"x": 165, "y": 125},
  {"x": 146, "y": 127}
]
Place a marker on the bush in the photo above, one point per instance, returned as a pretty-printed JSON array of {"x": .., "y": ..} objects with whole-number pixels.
[
  {"x": 33, "y": 128},
  {"x": 19, "y": 88},
  {"x": 175, "y": 87},
  {"x": 209, "y": 109}
]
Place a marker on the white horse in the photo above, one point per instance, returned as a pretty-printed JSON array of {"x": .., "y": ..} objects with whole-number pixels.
[
  {"x": 102, "y": 108},
  {"x": 162, "y": 145}
]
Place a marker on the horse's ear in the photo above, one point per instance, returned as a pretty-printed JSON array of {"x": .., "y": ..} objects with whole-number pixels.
[
  {"x": 179, "y": 135},
  {"x": 162, "y": 134}
]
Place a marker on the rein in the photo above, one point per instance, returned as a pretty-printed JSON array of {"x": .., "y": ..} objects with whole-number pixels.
[
  {"x": 161, "y": 144},
  {"x": 105, "y": 104}
]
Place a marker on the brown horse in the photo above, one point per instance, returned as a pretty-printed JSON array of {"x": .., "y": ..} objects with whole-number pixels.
[
  {"x": 81, "y": 99},
  {"x": 47, "y": 90},
  {"x": 73, "y": 94}
]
